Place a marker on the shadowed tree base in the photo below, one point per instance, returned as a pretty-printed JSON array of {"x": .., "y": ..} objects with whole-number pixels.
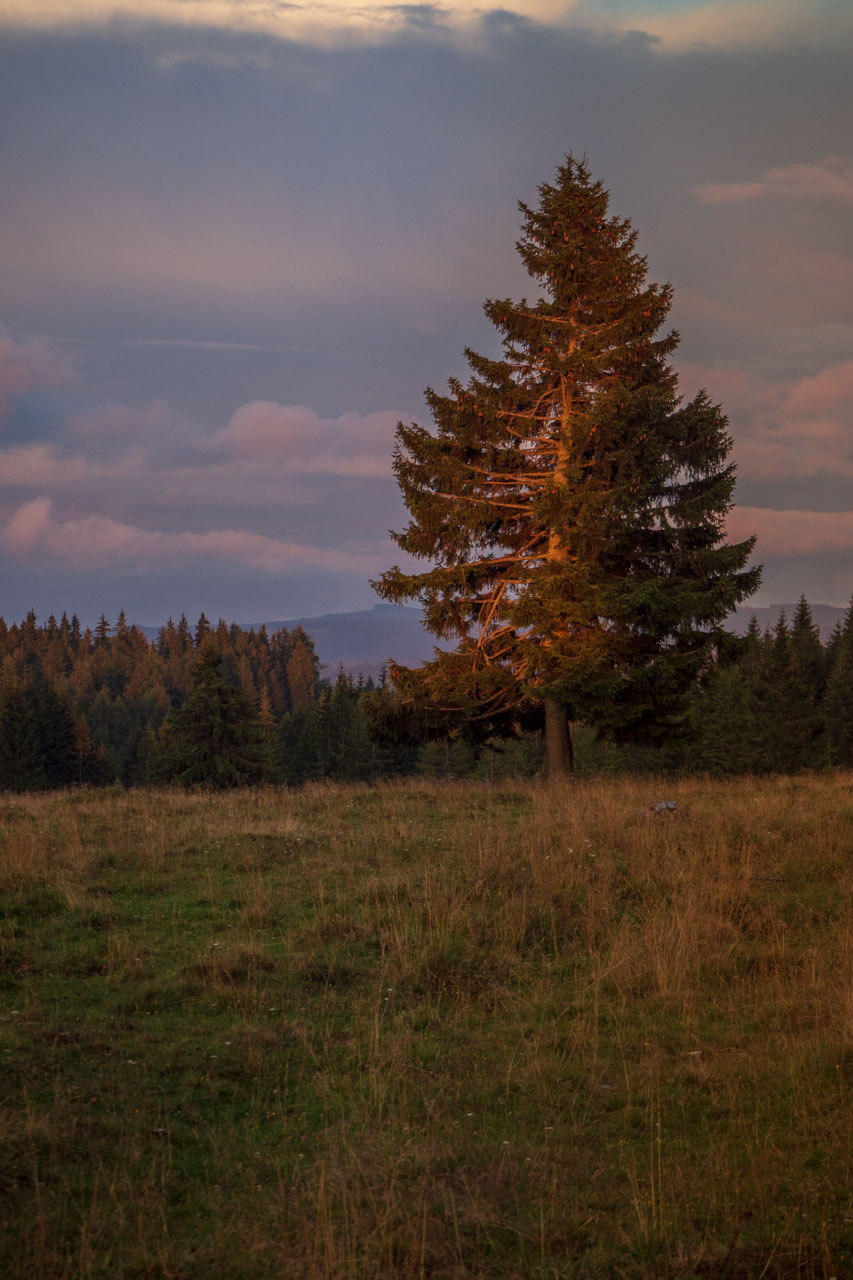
[{"x": 558, "y": 740}]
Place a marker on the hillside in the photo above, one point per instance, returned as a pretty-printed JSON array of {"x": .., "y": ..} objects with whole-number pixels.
[
  {"x": 365, "y": 639},
  {"x": 361, "y": 641}
]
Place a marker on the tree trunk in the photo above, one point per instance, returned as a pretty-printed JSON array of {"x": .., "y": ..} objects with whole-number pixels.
[{"x": 558, "y": 740}]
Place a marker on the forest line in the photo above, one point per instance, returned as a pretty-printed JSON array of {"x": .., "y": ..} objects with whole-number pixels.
[{"x": 93, "y": 707}]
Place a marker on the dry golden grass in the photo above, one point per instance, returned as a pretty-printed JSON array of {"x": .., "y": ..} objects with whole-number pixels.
[{"x": 430, "y": 1029}]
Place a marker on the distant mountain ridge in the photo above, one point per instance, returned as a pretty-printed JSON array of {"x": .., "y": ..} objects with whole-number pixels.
[{"x": 362, "y": 641}]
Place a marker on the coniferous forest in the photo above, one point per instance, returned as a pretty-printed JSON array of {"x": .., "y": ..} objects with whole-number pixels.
[{"x": 222, "y": 706}]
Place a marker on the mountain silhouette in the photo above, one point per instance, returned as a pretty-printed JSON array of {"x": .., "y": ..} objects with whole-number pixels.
[{"x": 362, "y": 641}]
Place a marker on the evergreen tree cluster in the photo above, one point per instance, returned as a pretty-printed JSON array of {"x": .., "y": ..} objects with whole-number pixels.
[
  {"x": 333, "y": 738},
  {"x": 219, "y": 706},
  {"x": 784, "y": 704},
  {"x": 88, "y": 706},
  {"x": 43, "y": 745}
]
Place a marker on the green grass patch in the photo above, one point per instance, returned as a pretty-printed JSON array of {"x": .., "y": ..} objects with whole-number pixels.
[{"x": 428, "y": 1030}]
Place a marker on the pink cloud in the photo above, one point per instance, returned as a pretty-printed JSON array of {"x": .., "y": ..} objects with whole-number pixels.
[
  {"x": 262, "y": 434},
  {"x": 33, "y": 534},
  {"x": 791, "y": 429},
  {"x": 116, "y": 422},
  {"x": 831, "y": 179},
  {"x": 35, "y": 362},
  {"x": 126, "y": 471},
  {"x": 830, "y": 389},
  {"x": 793, "y": 533},
  {"x": 257, "y": 456},
  {"x": 727, "y": 384}
]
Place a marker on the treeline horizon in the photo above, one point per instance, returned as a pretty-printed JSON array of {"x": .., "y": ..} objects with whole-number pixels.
[
  {"x": 87, "y": 705},
  {"x": 103, "y": 705}
]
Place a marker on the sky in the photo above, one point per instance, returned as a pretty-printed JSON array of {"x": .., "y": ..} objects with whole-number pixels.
[{"x": 239, "y": 238}]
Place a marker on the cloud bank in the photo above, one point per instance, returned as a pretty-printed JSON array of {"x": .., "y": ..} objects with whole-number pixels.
[
  {"x": 154, "y": 448},
  {"x": 253, "y": 223},
  {"x": 33, "y": 534},
  {"x": 317, "y": 21},
  {"x": 793, "y": 533},
  {"x": 786, "y": 429},
  {"x": 831, "y": 179},
  {"x": 273, "y": 464},
  {"x": 269, "y": 457},
  {"x": 691, "y": 23}
]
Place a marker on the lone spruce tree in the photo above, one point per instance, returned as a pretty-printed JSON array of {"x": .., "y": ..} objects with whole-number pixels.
[{"x": 572, "y": 504}]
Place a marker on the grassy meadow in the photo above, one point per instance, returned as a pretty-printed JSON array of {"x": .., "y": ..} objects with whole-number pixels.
[{"x": 428, "y": 1030}]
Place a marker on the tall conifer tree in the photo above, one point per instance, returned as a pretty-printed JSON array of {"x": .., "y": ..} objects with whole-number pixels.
[
  {"x": 56, "y": 734},
  {"x": 573, "y": 506},
  {"x": 807, "y": 651},
  {"x": 837, "y": 705},
  {"x": 788, "y": 723},
  {"x": 215, "y": 739},
  {"x": 21, "y": 762},
  {"x": 202, "y": 629}
]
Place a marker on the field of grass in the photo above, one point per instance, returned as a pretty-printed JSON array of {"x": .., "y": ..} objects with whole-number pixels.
[{"x": 428, "y": 1030}]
